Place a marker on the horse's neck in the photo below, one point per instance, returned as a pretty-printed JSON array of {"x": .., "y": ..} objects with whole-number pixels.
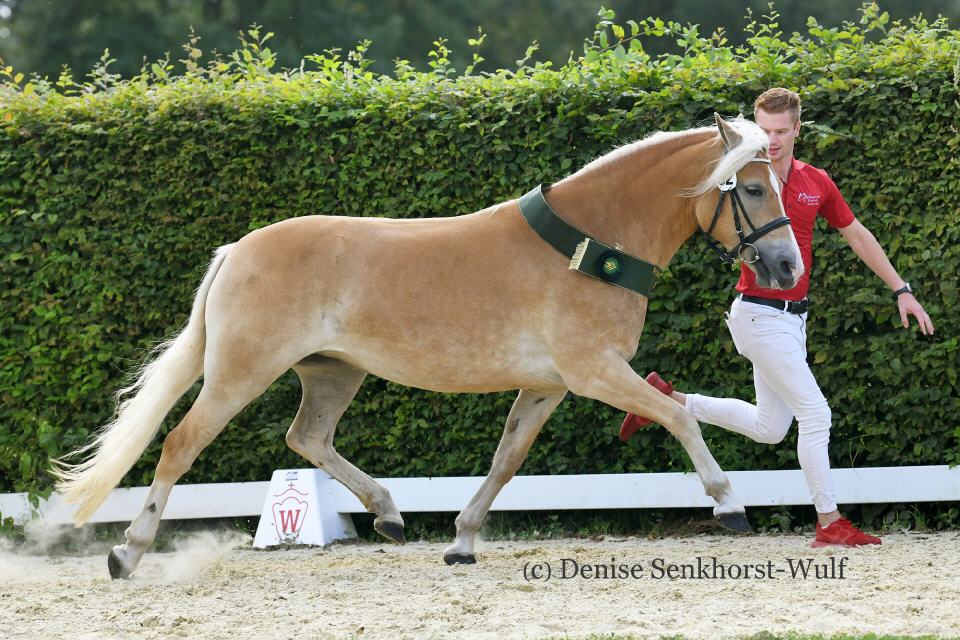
[{"x": 634, "y": 204}]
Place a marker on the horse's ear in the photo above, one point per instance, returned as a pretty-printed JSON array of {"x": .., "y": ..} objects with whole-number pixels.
[{"x": 730, "y": 136}]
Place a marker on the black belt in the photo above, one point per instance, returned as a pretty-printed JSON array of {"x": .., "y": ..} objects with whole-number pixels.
[{"x": 783, "y": 305}]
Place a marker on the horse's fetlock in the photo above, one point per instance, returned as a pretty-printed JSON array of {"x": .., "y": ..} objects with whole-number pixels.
[
  {"x": 135, "y": 539},
  {"x": 716, "y": 486},
  {"x": 465, "y": 524},
  {"x": 381, "y": 503}
]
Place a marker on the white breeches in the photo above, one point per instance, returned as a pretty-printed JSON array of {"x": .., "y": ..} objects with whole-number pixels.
[{"x": 776, "y": 343}]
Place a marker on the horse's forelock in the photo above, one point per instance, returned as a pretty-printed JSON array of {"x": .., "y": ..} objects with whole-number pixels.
[{"x": 754, "y": 140}]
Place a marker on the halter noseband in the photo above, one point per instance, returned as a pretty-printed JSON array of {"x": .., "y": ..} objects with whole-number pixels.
[{"x": 736, "y": 253}]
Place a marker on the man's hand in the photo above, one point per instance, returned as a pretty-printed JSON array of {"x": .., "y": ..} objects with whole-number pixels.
[
  {"x": 865, "y": 245},
  {"x": 910, "y": 307}
]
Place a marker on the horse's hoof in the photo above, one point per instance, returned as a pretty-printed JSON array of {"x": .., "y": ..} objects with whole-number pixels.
[
  {"x": 459, "y": 558},
  {"x": 117, "y": 570},
  {"x": 390, "y": 530},
  {"x": 735, "y": 522}
]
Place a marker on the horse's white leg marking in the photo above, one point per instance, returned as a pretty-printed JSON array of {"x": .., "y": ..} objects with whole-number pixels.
[
  {"x": 328, "y": 387},
  {"x": 530, "y": 410},
  {"x": 611, "y": 380}
]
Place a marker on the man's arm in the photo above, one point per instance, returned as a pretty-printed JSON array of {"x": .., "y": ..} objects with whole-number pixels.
[{"x": 869, "y": 250}]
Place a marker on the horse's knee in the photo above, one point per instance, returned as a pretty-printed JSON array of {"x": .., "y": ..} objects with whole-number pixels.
[
  {"x": 318, "y": 454},
  {"x": 306, "y": 438},
  {"x": 682, "y": 424}
]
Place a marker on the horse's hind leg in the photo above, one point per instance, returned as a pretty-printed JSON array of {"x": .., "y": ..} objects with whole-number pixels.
[
  {"x": 210, "y": 413},
  {"x": 328, "y": 387},
  {"x": 530, "y": 410}
]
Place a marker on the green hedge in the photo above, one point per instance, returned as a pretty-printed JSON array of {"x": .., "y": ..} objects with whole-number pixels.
[{"x": 113, "y": 194}]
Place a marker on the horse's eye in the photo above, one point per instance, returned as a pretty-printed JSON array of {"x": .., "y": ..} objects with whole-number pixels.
[{"x": 756, "y": 192}]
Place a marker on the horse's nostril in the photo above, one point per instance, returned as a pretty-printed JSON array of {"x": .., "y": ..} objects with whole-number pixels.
[{"x": 786, "y": 267}]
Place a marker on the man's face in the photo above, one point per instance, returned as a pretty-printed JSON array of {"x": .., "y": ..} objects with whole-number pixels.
[{"x": 781, "y": 132}]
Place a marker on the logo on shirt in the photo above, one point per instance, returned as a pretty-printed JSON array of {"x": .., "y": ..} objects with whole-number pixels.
[{"x": 809, "y": 200}]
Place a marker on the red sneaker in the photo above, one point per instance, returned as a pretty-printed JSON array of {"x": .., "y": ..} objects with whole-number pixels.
[
  {"x": 633, "y": 422},
  {"x": 842, "y": 532}
]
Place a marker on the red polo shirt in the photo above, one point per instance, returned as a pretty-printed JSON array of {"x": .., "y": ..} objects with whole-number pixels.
[{"x": 809, "y": 192}]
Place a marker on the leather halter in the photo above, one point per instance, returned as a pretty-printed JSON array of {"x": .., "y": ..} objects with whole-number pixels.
[{"x": 736, "y": 253}]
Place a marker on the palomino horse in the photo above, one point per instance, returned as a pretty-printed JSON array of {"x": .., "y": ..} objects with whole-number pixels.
[{"x": 475, "y": 303}]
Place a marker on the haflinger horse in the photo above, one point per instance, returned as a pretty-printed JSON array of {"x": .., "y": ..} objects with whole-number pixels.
[{"x": 472, "y": 303}]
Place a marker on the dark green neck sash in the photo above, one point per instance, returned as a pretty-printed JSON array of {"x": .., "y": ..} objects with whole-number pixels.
[{"x": 587, "y": 255}]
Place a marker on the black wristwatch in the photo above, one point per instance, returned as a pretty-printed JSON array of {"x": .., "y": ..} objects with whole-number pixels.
[{"x": 906, "y": 288}]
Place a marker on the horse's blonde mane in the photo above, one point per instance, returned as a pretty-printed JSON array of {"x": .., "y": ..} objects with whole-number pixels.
[
  {"x": 622, "y": 152},
  {"x": 754, "y": 141}
]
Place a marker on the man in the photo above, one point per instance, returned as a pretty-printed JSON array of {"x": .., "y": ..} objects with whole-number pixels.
[{"x": 769, "y": 326}]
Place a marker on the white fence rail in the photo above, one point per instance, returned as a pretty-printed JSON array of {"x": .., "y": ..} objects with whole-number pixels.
[{"x": 607, "y": 491}]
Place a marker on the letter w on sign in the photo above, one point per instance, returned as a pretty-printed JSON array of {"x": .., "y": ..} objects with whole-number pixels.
[{"x": 288, "y": 517}]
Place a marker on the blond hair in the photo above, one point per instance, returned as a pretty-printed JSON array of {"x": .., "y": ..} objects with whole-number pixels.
[{"x": 778, "y": 100}]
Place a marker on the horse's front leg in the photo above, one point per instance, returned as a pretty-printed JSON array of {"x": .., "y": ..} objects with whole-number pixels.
[
  {"x": 530, "y": 410},
  {"x": 612, "y": 381}
]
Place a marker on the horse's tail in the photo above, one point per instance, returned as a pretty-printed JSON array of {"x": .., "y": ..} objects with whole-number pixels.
[{"x": 160, "y": 381}]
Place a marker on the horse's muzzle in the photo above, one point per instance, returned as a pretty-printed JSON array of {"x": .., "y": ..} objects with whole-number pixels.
[{"x": 779, "y": 266}]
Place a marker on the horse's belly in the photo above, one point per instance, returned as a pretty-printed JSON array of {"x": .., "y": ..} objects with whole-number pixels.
[
  {"x": 455, "y": 308},
  {"x": 515, "y": 363}
]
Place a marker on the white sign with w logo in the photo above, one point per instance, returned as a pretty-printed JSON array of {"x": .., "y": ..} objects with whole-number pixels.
[
  {"x": 299, "y": 509},
  {"x": 289, "y": 515}
]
